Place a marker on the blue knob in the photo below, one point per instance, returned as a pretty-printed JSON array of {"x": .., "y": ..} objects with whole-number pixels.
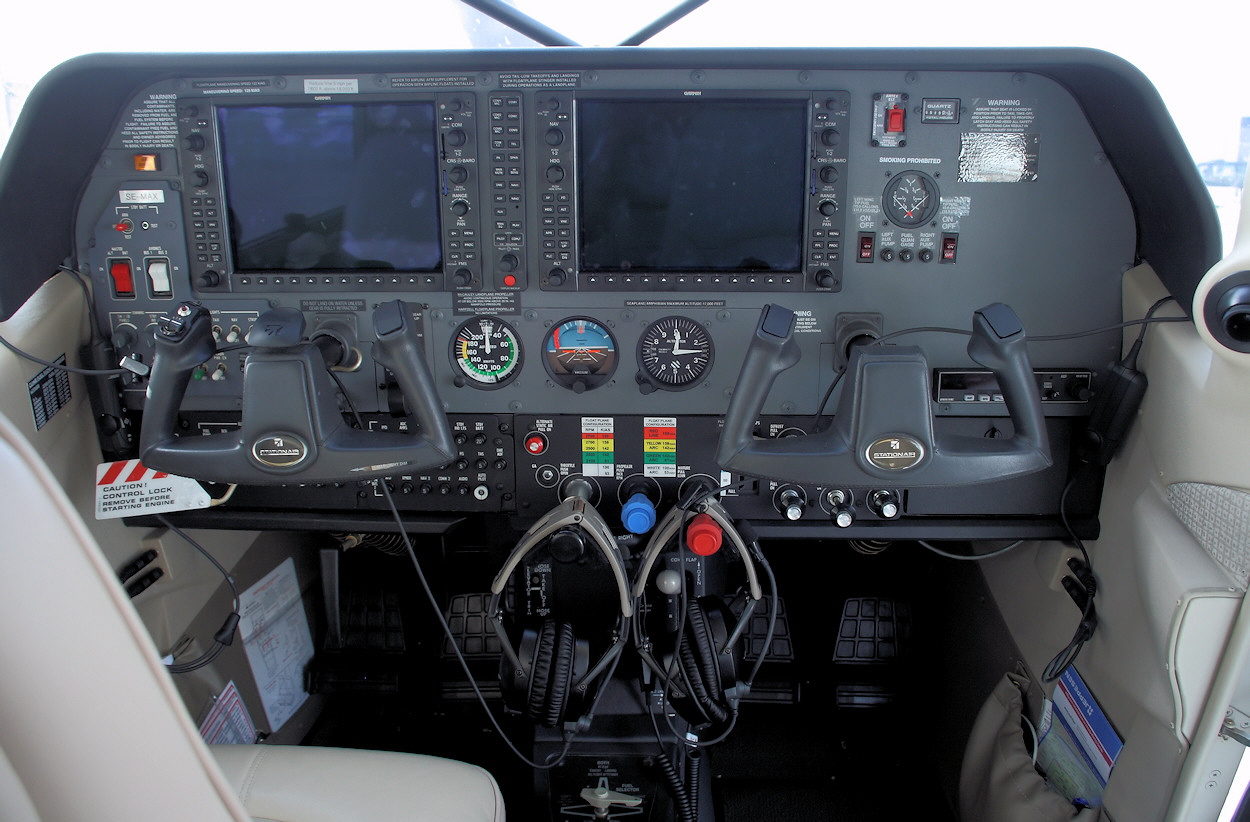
[{"x": 638, "y": 514}]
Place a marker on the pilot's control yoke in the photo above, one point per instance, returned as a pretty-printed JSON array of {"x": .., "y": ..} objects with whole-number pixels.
[{"x": 292, "y": 428}]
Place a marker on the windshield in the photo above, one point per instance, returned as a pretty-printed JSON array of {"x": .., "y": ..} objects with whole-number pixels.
[{"x": 1199, "y": 80}]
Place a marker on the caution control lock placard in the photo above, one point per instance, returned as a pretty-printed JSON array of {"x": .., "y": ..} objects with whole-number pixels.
[{"x": 128, "y": 488}]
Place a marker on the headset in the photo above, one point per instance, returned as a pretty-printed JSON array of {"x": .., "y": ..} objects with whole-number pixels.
[
  {"x": 703, "y": 681},
  {"x": 548, "y": 676}
]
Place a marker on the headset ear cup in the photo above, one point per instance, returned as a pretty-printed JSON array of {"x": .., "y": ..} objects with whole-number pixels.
[
  {"x": 540, "y": 670},
  {"x": 561, "y": 676},
  {"x": 556, "y": 656}
]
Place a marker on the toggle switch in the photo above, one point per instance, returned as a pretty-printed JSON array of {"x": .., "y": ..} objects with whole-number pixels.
[
  {"x": 158, "y": 277},
  {"x": 121, "y": 272},
  {"x": 895, "y": 118}
]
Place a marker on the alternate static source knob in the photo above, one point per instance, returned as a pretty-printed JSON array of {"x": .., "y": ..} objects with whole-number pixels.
[
  {"x": 638, "y": 514},
  {"x": 790, "y": 504}
]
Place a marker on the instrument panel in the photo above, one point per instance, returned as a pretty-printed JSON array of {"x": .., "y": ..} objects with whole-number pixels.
[{"x": 586, "y": 251}]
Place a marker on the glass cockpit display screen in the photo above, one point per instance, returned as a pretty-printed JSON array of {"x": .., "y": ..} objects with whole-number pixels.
[
  {"x": 330, "y": 187},
  {"x": 685, "y": 185}
]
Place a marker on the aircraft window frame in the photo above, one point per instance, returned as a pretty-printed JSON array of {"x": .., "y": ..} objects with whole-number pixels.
[{"x": 1173, "y": 51}]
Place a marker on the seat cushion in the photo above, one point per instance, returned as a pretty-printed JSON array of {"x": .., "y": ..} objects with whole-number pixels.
[{"x": 285, "y": 783}]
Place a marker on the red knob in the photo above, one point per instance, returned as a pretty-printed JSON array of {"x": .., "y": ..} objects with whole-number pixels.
[{"x": 703, "y": 535}]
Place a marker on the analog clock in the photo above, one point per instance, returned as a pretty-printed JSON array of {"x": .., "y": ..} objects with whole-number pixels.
[{"x": 674, "y": 353}]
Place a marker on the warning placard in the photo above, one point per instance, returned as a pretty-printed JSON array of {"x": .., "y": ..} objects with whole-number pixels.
[{"x": 129, "y": 488}]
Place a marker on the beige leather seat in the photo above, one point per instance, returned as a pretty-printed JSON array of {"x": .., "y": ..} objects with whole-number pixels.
[
  {"x": 91, "y": 726},
  {"x": 307, "y": 785}
]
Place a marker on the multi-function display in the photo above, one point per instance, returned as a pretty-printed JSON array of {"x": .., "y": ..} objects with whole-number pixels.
[{"x": 331, "y": 187}]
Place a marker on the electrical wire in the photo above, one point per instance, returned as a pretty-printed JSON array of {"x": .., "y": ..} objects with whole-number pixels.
[
  {"x": 1032, "y": 733},
  {"x": 86, "y": 372},
  {"x": 446, "y": 628},
  {"x": 1089, "y": 617},
  {"x": 1089, "y": 614},
  {"x": 225, "y": 634},
  {"x": 95, "y": 335},
  {"x": 997, "y": 552},
  {"x": 1145, "y": 323},
  {"x": 924, "y": 329},
  {"x": 80, "y": 278},
  {"x": 1150, "y": 312},
  {"x": 674, "y": 668}
]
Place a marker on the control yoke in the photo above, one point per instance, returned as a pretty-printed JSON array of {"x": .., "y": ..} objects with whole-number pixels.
[
  {"x": 292, "y": 427},
  {"x": 883, "y": 428}
]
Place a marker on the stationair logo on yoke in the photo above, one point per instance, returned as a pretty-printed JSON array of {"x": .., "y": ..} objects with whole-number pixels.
[
  {"x": 895, "y": 453},
  {"x": 280, "y": 450}
]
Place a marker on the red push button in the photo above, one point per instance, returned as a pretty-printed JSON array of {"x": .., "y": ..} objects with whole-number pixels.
[
  {"x": 703, "y": 535},
  {"x": 535, "y": 443},
  {"x": 123, "y": 276}
]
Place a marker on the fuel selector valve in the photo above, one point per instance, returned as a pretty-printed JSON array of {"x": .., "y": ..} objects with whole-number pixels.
[{"x": 602, "y": 799}]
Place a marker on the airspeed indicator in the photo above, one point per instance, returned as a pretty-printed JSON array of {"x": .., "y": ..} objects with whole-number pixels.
[{"x": 485, "y": 352}]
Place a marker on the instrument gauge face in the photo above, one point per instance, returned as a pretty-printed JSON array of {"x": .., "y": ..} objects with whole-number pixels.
[
  {"x": 675, "y": 353},
  {"x": 911, "y": 199},
  {"x": 486, "y": 352},
  {"x": 579, "y": 353}
]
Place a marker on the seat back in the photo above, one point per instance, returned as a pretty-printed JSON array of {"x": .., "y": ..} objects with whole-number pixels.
[{"x": 91, "y": 726}]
